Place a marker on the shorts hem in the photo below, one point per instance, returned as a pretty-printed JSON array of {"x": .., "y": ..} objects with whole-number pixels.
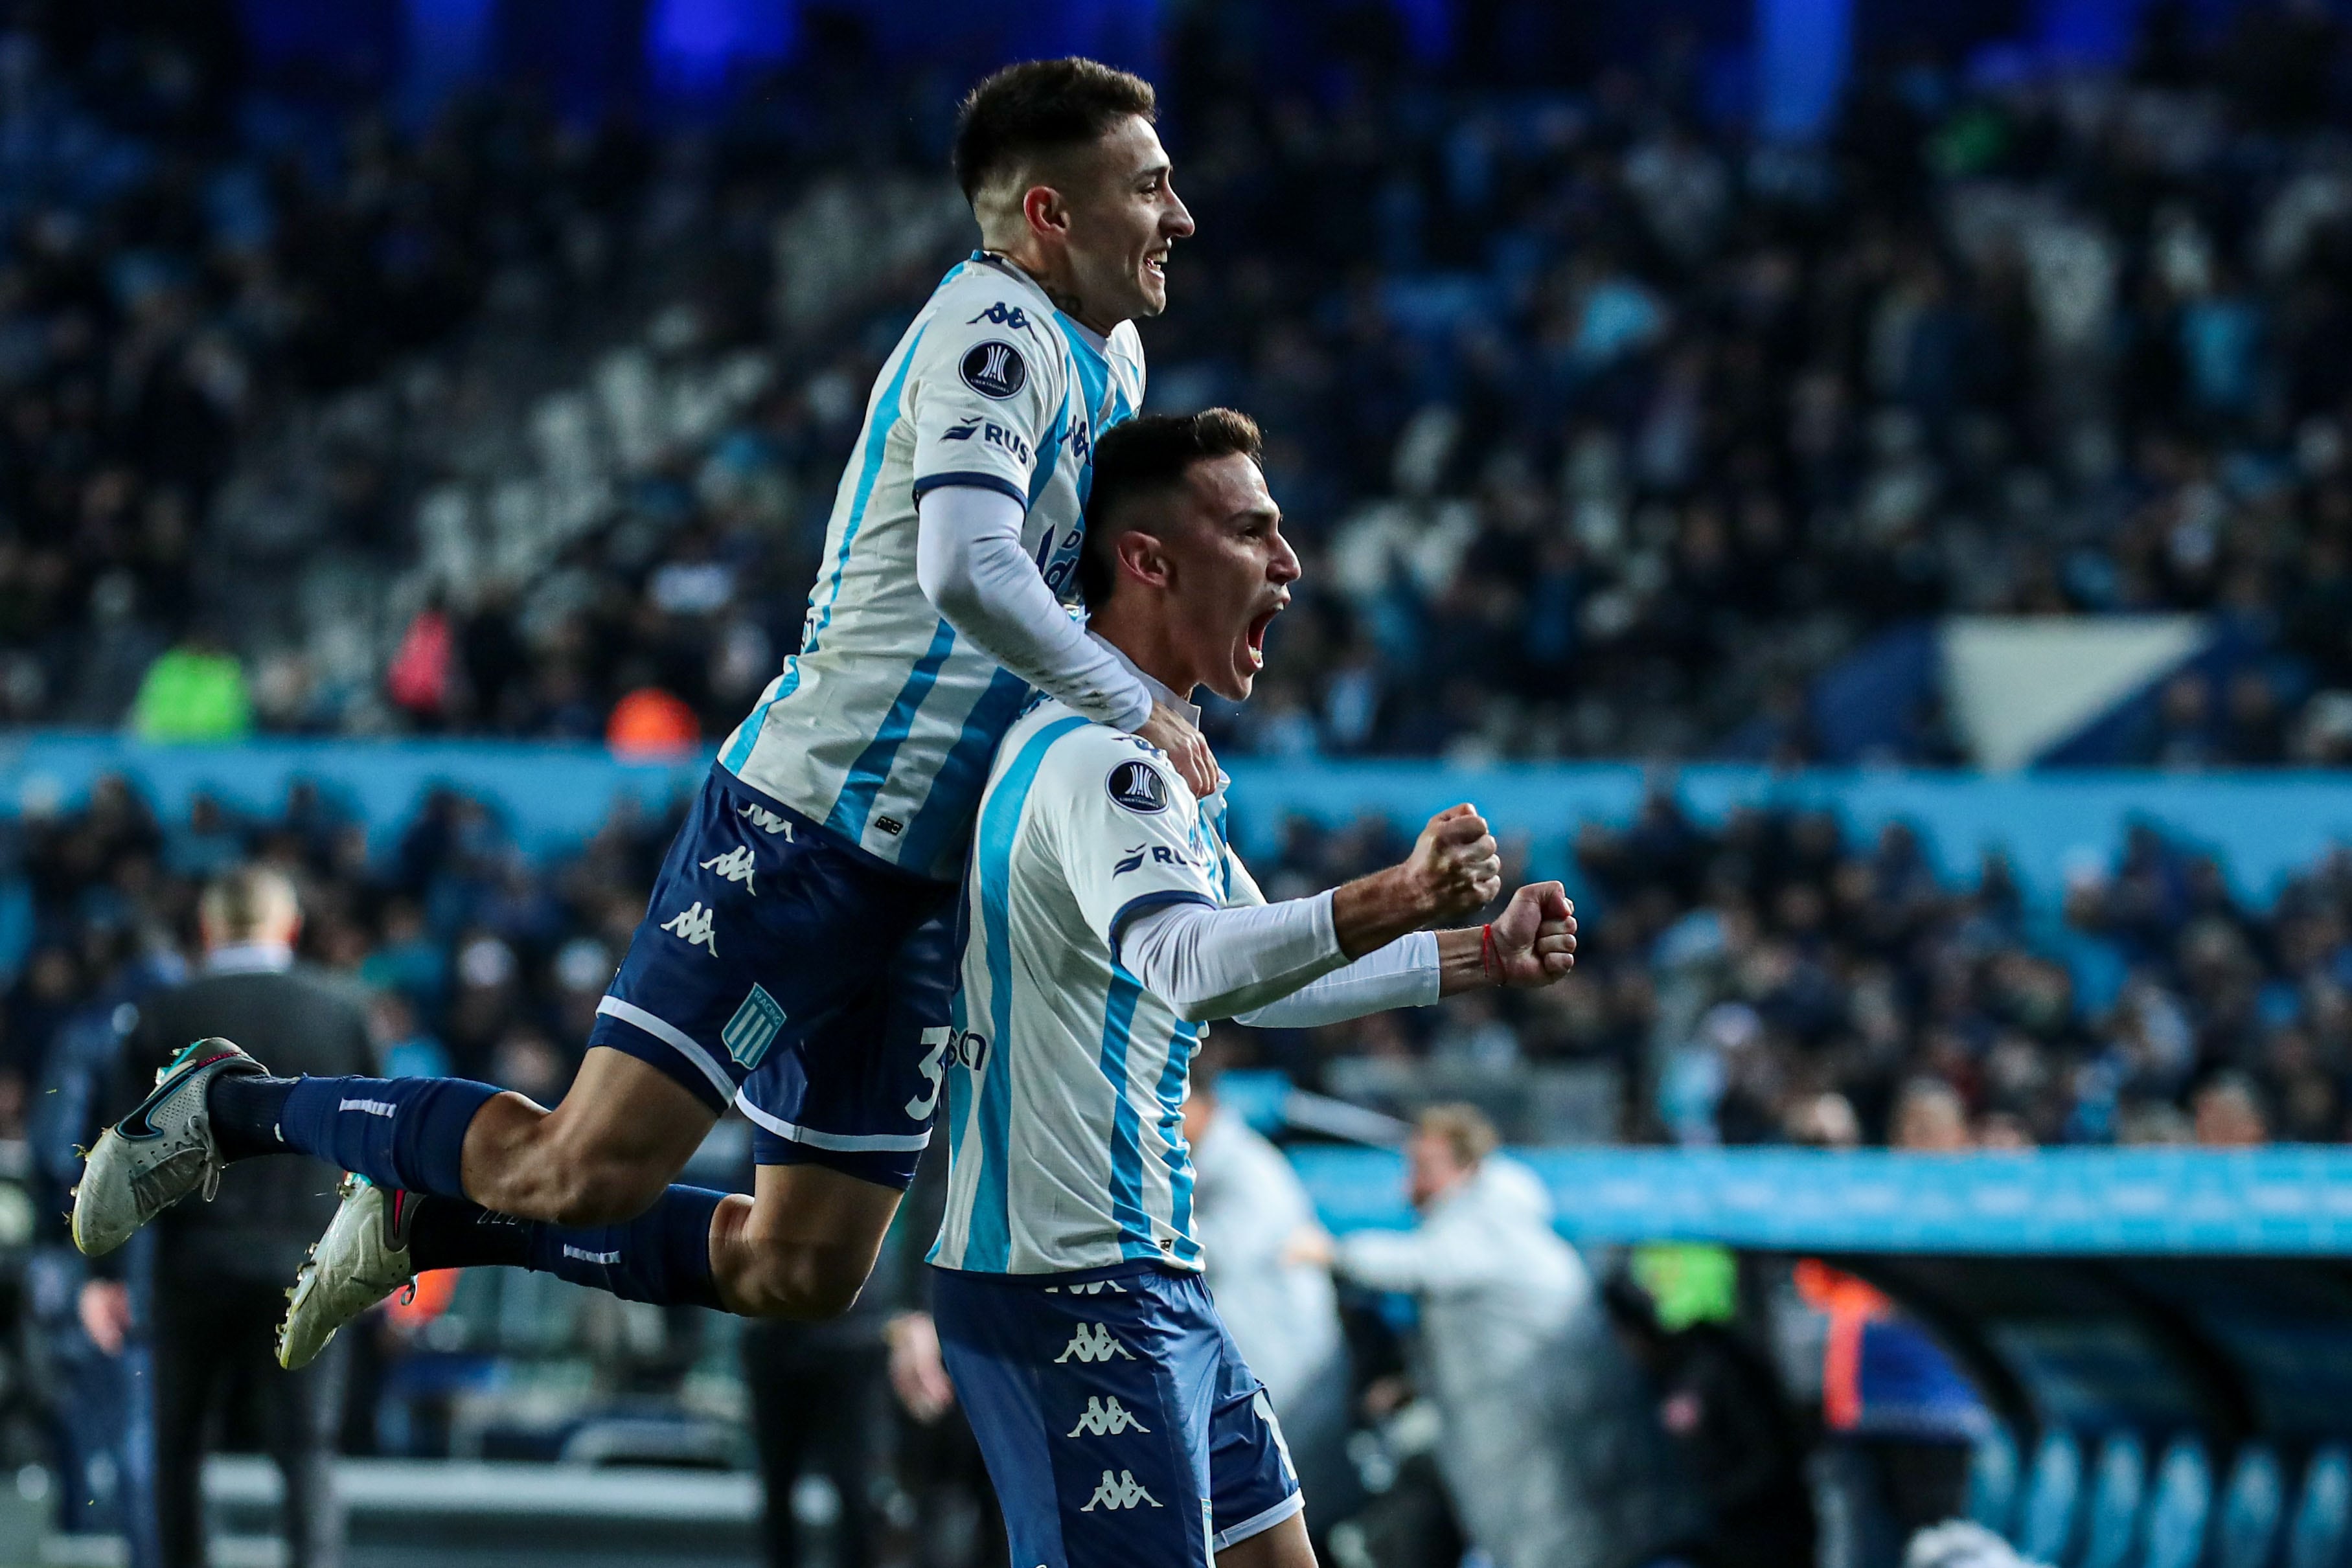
[
  {"x": 1130, "y": 1268},
  {"x": 630, "y": 1030},
  {"x": 836, "y": 1142},
  {"x": 1258, "y": 1524}
]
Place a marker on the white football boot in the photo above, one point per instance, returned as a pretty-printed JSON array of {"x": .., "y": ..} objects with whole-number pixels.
[
  {"x": 159, "y": 1153},
  {"x": 361, "y": 1259}
]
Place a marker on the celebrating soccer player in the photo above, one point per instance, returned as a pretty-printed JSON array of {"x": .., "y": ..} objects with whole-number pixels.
[
  {"x": 796, "y": 952},
  {"x": 1108, "y": 919}
]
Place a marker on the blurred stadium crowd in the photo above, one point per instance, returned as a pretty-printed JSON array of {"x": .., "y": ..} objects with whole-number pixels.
[
  {"x": 1771, "y": 980},
  {"x": 1601, "y": 433}
]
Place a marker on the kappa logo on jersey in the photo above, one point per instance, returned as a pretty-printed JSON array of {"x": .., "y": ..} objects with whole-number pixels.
[
  {"x": 1092, "y": 1341},
  {"x": 735, "y": 865},
  {"x": 1125, "y": 1491},
  {"x": 694, "y": 925},
  {"x": 1002, "y": 315},
  {"x": 767, "y": 821},
  {"x": 1138, "y": 787},
  {"x": 1107, "y": 1418},
  {"x": 995, "y": 369}
]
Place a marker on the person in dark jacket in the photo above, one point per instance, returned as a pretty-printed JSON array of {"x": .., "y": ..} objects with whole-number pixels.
[
  {"x": 1739, "y": 1439},
  {"x": 221, "y": 1267}
]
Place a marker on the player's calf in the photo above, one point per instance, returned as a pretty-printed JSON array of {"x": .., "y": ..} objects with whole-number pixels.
[{"x": 603, "y": 1155}]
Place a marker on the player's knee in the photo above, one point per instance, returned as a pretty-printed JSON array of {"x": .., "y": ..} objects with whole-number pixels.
[{"x": 804, "y": 1283}]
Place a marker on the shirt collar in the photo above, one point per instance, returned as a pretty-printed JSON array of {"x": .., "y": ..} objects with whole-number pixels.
[
  {"x": 1013, "y": 270},
  {"x": 1150, "y": 682},
  {"x": 249, "y": 958}
]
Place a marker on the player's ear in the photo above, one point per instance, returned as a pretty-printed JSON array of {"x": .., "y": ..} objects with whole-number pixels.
[
  {"x": 1142, "y": 557},
  {"x": 1044, "y": 212}
]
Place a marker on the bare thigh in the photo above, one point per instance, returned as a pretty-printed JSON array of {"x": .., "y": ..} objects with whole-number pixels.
[{"x": 1284, "y": 1546}]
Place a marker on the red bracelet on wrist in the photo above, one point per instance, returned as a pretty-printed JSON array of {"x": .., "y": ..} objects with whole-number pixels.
[{"x": 1489, "y": 959}]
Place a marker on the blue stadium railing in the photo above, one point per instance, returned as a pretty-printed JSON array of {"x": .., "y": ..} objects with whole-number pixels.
[{"x": 2264, "y": 826}]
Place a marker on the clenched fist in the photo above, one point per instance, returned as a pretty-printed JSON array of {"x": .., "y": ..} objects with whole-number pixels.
[
  {"x": 1455, "y": 867},
  {"x": 1535, "y": 936}
]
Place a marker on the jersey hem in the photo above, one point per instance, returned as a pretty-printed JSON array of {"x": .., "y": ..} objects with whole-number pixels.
[
  {"x": 805, "y": 823},
  {"x": 1131, "y": 1268},
  {"x": 1258, "y": 1524}
]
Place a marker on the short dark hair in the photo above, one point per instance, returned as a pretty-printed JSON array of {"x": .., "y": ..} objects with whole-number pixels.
[
  {"x": 1146, "y": 456},
  {"x": 1042, "y": 106}
]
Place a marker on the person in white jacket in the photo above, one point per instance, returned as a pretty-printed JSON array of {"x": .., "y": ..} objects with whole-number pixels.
[
  {"x": 1261, "y": 1246},
  {"x": 1548, "y": 1450},
  {"x": 1252, "y": 1213}
]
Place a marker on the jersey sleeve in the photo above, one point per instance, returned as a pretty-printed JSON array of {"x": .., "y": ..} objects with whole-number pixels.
[
  {"x": 1127, "y": 833},
  {"x": 979, "y": 397}
]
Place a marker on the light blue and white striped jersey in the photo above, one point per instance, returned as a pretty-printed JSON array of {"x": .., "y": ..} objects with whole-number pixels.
[
  {"x": 1065, "y": 1079},
  {"x": 882, "y": 726}
]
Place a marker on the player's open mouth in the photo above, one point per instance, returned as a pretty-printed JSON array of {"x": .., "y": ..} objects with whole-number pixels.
[
  {"x": 1256, "y": 635},
  {"x": 1157, "y": 264}
]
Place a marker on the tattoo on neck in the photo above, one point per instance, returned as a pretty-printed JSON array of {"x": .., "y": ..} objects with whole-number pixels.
[{"x": 1067, "y": 303}]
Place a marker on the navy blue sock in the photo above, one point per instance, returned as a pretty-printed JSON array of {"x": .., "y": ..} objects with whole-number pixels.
[
  {"x": 662, "y": 1256},
  {"x": 407, "y": 1132}
]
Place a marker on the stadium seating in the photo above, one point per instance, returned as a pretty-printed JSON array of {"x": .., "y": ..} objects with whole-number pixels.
[
  {"x": 2118, "y": 1485},
  {"x": 2180, "y": 1503},
  {"x": 2053, "y": 1493},
  {"x": 2253, "y": 1504},
  {"x": 2323, "y": 1510},
  {"x": 1992, "y": 1480}
]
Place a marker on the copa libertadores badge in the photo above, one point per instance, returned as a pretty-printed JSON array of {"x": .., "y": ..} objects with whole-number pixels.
[
  {"x": 1138, "y": 787},
  {"x": 994, "y": 370}
]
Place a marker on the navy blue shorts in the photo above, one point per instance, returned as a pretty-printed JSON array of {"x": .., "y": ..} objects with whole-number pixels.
[
  {"x": 1122, "y": 1427},
  {"x": 779, "y": 962}
]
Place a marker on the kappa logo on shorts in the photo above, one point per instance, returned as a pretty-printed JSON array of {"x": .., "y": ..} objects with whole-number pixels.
[
  {"x": 1138, "y": 787},
  {"x": 1107, "y": 1418},
  {"x": 767, "y": 821},
  {"x": 735, "y": 865},
  {"x": 995, "y": 369},
  {"x": 753, "y": 1027},
  {"x": 1091, "y": 1288},
  {"x": 1125, "y": 1491},
  {"x": 1092, "y": 1341},
  {"x": 694, "y": 925}
]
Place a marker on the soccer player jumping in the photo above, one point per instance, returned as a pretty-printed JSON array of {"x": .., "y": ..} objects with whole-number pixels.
[
  {"x": 1108, "y": 918},
  {"x": 797, "y": 947}
]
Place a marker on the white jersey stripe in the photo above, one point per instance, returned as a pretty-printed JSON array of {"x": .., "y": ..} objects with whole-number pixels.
[{"x": 876, "y": 446}]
